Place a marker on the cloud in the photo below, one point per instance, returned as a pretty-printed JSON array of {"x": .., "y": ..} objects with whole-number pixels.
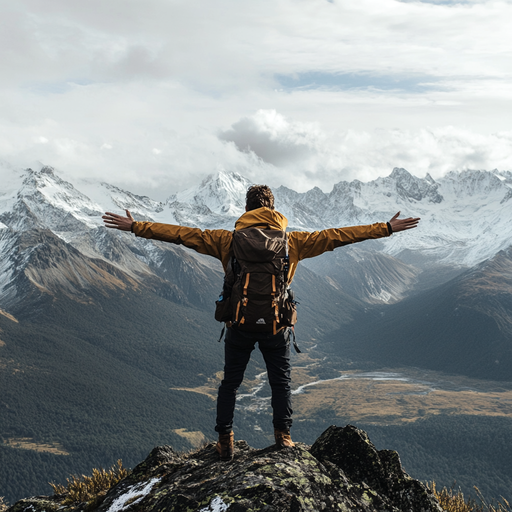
[
  {"x": 157, "y": 94},
  {"x": 306, "y": 156},
  {"x": 266, "y": 147},
  {"x": 231, "y": 47},
  {"x": 273, "y": 138}
]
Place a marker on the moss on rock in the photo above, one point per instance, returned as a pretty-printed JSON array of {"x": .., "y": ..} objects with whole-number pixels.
[{"x": 342, "y": 471}]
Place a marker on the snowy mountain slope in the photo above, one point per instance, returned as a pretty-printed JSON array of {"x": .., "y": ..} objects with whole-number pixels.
[
  {"x": 374, "y": 277},
  {"x": 52, "y": 234},
  {"x": 466, "y": 217},
  {"x": 112, "y": 198},
  {"x": 45, "y": 198},
  {"x": 223, "y": 194}
]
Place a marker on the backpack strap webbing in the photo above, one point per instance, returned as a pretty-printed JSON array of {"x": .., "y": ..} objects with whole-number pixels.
[
  {"x": 295, "y": 346},
  {"x": 222, "y": 333}
]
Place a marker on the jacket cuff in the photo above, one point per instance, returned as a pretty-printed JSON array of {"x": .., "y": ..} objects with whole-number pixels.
[{"x": 390, "y": 229}]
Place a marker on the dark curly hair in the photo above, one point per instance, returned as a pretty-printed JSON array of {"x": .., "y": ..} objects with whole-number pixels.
[{"x": 258, "y": 196}]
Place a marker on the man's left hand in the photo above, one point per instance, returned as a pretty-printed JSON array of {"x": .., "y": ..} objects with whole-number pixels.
[{"x": 115, "y": 221}]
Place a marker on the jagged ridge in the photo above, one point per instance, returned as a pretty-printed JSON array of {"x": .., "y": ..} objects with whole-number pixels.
[{"x": 341, "y": 471}]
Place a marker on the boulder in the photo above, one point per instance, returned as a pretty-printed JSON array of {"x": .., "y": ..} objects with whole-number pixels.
[{"x": 342, "y": 471}]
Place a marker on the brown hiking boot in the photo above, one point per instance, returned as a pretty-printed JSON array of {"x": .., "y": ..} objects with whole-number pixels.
[
  {"x": 225, "y": 446},
  {"x": 283, "y": 438}
]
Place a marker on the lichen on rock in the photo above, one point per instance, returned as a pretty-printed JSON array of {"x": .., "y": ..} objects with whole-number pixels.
[{"x": 342, "y": 471}]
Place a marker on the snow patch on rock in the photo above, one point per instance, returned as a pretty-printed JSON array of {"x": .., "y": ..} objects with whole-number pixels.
[{"x": 133, "y": 495}]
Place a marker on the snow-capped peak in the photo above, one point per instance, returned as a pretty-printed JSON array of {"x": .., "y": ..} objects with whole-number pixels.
[
  {"x": 472, "y": 182},
  {"x": 222, "y": 193},
  {"x": 47, "y": 186},
  {"x": 46, "y": 200},
  {"x": 411, "y": 188}
]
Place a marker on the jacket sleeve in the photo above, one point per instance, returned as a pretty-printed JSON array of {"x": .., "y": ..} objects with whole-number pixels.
[
  {"x": 303, "y": 244},
  {"x": 214, "y": 243}
]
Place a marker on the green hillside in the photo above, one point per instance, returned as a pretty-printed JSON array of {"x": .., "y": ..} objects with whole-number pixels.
[
  {"x": 463, "y": 326},
  {"x": 95, "y": 381}
]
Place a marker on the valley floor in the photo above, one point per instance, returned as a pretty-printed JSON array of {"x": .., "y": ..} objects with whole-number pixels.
[{"x": 382, "y": 397}]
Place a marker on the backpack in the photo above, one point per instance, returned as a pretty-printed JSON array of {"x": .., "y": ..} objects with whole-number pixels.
[{"x": 255, "y": 296}]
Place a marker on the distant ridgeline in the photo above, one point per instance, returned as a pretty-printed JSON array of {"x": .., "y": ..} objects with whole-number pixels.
[{"x": 108, "y": 343}]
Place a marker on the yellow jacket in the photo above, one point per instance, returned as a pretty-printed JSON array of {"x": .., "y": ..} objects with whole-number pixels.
[{"x": 301, "y": 244}]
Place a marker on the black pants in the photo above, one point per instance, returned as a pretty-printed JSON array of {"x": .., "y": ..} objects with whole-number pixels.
[{"x": 275, "y": 348}]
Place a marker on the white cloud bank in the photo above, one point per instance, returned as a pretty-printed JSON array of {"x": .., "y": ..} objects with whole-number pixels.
[
  {"x": 154, "y": 94},
  {"x": 302, "y": 152}
]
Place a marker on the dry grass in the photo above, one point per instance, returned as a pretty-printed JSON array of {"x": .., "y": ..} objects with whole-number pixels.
[
  {"x": 195, "y": 438},
  {"x": 454, "y": 501},
  {"x": 358, "y": 399},
  {"x": 3, "y": 505},
  {"x": 27, "y": 443},
  {"x": 209, "y": 388},
  {"x": 8, "y": 315},
  {"x": 394, "y": 401},
  {"x": 83, "y": 488}
]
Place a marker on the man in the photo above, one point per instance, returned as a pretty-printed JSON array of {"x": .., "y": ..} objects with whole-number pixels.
[{"x": 239, "y": 344}]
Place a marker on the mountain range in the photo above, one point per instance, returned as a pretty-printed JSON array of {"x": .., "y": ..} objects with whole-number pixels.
[
  {"x": 466, "y": 219},
  {"x": 102, "y": 333},
  {"x": 53, "y": 244}
]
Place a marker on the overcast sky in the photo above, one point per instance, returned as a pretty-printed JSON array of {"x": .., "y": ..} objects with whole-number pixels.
[{"x": 153, "y": 95}]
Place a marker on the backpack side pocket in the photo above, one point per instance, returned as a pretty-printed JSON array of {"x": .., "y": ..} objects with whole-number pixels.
[
  {"x": 223, "y": 312},
  {"x": 289, "y": 311}
]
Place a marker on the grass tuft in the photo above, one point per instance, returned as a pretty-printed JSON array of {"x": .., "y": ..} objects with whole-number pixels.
[
  {"x": 85, "y": 488},
  {"x": 3, "y": 505},
  {"x": 454, "y": 501}
]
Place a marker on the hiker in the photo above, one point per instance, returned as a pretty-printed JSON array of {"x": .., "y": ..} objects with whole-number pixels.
[{"x": 271, "y": 324}]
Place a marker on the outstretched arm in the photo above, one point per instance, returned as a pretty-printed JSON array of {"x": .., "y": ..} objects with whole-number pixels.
[
  {"x": 115, "y": 221},
  {"x": 216, "y": 243},
  {"x": 403, "y": 224},
  {"x": 304, "y": 244}
]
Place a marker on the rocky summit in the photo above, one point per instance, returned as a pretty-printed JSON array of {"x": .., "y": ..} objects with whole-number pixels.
[{"x": 341, "y": 471}]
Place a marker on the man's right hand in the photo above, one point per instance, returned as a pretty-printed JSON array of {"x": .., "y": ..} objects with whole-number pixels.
[
  {"x": 112, "y": 220},
  {"x": 403, "y": 224}
]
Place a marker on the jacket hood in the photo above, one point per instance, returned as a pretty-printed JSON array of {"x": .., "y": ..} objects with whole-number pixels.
[{"x": 272, "y": 218}]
